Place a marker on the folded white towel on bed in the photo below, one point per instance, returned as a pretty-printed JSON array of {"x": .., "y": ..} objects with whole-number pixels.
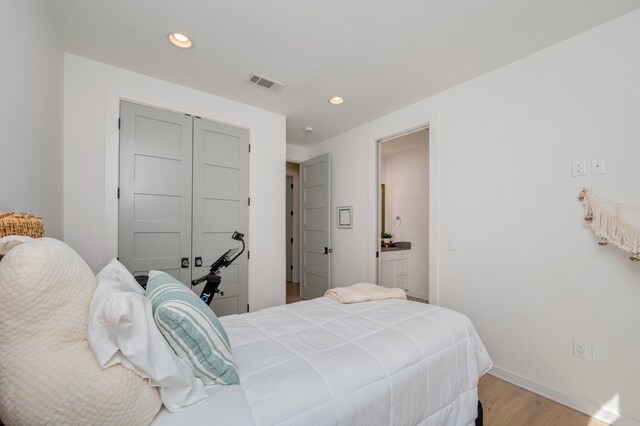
[{"x": 364, "y": 292}]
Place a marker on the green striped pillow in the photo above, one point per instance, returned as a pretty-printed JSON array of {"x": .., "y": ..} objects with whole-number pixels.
[{"x": 192, "y": 330}]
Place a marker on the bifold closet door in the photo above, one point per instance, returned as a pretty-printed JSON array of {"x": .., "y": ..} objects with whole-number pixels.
[
  {"x": 155, "y": 190},
  {"x": 221, "y": 206}
]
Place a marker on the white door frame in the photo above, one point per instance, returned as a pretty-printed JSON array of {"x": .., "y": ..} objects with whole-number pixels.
[
  {"x": 434, "y": 206},
  {"x": 298, "y": 208},
  {"x": 379, "y": 193},
  {"x": 289, "y": 238}
]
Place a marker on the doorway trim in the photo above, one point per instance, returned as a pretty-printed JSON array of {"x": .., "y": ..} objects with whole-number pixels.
[
  {"x": 297, "y": 208},
  {"x": 289, "y": 218},
  {"x": 434, "y": 197}
]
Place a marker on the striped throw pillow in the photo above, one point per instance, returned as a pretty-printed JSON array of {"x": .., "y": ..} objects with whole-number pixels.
[{"x": 192, "y": 330}]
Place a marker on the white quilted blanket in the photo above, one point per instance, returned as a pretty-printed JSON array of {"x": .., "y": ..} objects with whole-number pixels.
[{"x": 388, "y": 362}]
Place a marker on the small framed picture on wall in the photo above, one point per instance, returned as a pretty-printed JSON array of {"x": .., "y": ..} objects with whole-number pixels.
[{"x": 345, "y": 217}]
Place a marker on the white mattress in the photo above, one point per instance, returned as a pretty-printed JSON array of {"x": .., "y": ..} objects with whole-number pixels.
[{"x": 390, "y": 362}]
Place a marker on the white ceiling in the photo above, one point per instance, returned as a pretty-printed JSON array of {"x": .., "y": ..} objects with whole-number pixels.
[{"x": 379, "y": 55}]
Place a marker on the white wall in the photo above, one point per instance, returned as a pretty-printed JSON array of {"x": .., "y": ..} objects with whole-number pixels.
[
  {"x": 297, "y": 153},
  {"x": 31, "y": 79},
  {"x": 91, "y": 102},
  {"x": 406, "y": 178},
  {"x": 293, "y": 170},
  {"x": 527, "y": 272}
]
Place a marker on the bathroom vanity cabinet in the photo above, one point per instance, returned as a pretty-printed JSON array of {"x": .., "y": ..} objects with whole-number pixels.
[{"x": 394, "y": 267}]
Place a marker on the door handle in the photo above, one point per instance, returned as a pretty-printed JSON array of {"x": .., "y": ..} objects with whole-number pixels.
[
  {"x": 198, "y": 262},
  {"x": 327, "y": 250},
  {"x": 184, "y": 263}
]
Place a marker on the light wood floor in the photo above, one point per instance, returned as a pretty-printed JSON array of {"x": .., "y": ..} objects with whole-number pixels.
[
  {"x": 507, "y": 404},
  {"x": 293, "y": 292}
]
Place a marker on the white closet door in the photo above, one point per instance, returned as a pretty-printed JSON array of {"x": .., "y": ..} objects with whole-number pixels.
[
  {"x": 315, "y": 276},
  {"x": 220, "y": 206},
  {"x": 155, "y": 190}
]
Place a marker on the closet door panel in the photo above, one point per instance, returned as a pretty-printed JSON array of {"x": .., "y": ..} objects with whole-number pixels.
[
  {"x": 220, "y": 206},
  {"x": 155, "y": 190}
]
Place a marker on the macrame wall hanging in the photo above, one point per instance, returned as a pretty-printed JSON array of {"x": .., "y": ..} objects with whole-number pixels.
[{"x": 614, "y": 223}]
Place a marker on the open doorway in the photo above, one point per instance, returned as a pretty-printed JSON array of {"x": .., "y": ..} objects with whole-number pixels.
[
  {"x": 403, "y": 213},
  {"x": 292, "y": 235}
]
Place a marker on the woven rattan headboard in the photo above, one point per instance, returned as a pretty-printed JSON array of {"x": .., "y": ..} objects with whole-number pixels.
[{"x": 21, "y": 224}]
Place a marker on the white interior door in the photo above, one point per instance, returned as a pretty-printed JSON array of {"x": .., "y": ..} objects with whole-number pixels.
[
  {"x": 221, "y": 206},
  {"x": 155, "y": 191},
  {"x": 315, "y": 277}
]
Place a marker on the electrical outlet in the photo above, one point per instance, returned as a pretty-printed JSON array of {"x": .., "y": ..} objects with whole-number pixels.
[
  {"x": 579, "y": 168},
  {"x": 579, "y": 350}
]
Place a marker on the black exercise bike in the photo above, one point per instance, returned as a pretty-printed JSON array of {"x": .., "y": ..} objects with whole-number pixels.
[{"x": 213, "y": 278}]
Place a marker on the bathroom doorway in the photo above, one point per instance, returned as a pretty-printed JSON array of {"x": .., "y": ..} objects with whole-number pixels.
[{"x": 403, "y": 213}]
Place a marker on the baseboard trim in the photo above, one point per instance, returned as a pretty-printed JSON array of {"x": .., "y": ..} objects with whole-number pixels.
[{"x": 586, "y": 407}]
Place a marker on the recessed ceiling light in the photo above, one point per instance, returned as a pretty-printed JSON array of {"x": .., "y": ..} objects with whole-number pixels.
[
  {"x": 180, "y": 40},
  {"x": 308, "y": 129},
  {"x": 336, "y": 100}
]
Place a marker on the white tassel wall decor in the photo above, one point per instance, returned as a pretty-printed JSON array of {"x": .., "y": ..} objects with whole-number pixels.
[{"x": 614, "y": 223}]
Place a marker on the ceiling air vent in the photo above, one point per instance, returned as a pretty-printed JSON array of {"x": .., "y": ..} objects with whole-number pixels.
[{"x": 265, "y": 83}]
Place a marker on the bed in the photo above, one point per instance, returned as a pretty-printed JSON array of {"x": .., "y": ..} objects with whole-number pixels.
[{"x": 319, "y": 362}]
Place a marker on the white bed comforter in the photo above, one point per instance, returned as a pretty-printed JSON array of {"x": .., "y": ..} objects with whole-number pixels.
[{"x": 389, "y": 362}]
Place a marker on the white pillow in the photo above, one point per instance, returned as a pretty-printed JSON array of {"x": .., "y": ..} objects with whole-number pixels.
[
  {"x": 48, "y": 374},
  {"x": 10, "y": 241},
  {"x": 122, "y": 330}
]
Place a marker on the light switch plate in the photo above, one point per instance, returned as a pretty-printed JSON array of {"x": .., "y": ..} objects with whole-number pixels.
[
  {"x": 599, "y": 354},
  {"x": 597, "y": 166},
  {"x": 453, "y": 244}
]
